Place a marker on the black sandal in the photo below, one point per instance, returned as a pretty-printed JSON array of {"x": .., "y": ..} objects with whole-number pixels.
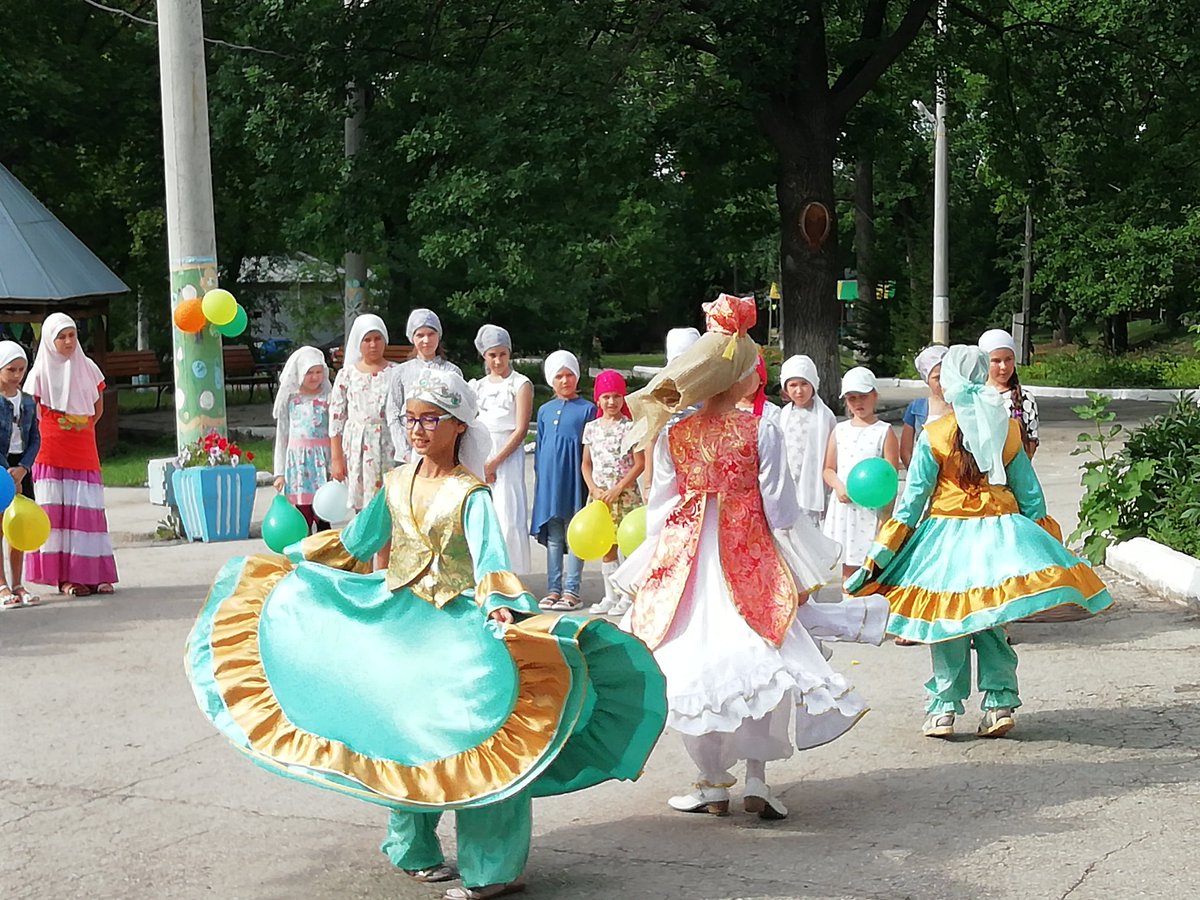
[{"x": 433, "y": 874}]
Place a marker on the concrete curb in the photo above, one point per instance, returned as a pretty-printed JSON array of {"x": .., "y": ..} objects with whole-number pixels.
[
  {"x": 1152, "y": 395},
  {"x": 1158, "y": 568}
]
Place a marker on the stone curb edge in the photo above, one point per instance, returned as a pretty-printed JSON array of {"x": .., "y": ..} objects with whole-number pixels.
[{"x": 1158, "y": 568}]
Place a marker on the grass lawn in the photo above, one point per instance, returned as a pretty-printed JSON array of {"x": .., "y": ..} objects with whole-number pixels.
[{"x": 126, "y": 465}]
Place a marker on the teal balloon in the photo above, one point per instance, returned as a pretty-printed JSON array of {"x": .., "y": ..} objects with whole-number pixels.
[
  {"x": 236, "y": 325},
  {"x": 873, "y": 483},
  {"x": 284, "y": 524}
]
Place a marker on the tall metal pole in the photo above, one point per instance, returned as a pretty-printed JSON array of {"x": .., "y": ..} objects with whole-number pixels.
[
  {"x": 354, "y": 296},
  {"x": 1025, "y": 344},
  {"x": 191, "y": 232},
  {"x": 941, "y": 203}
]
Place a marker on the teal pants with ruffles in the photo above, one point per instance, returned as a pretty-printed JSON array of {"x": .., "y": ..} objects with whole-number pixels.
[
  {"x": 493, "y": 841},
  {"x": 951, "y": 681}
]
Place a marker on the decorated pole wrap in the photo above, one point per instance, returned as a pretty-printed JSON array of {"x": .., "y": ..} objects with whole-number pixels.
[{"x": 191, "y": 233}]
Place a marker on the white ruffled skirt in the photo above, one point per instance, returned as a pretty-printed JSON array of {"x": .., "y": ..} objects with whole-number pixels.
[
  {"x": 729, "y": 686},
  {"x": 512, "y": 505}
]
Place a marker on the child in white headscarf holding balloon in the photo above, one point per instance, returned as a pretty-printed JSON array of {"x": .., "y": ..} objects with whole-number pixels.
[
  {"x": 360, "y": 440},
  {"x": 559, "y": 490},
  {"x": 1001, "y": 351},
  {"x": 69, "y": 389},
  {"x": 302, "y": 452},
  {"x": 924, "y": 410},
  {"x": 986, "y": 555},
  {"x": 20, "y": 439},
  {"x": 424, "y": 330},
  {"x": 806, "y": 423},
  {"x": 505, "y": 398}
]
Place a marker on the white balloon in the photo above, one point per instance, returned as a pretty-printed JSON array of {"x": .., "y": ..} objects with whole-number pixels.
[{"x": 331, "y": 502}]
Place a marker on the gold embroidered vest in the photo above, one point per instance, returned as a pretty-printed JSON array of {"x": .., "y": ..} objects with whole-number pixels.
[
  {"x": 716, "y": 461},
  {"x": 432, "y": 557}
]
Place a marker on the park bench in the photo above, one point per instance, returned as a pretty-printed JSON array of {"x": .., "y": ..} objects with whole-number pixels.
[
  {"x": 129, "y": 364},
  {"x": 396, "y": 353},
  {"x": 242, "y": 369}
]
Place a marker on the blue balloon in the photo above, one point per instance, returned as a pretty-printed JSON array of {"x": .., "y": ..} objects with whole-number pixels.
[{"x": 8, "y": 490}]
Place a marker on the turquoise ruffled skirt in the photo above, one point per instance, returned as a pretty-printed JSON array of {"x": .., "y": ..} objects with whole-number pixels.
[{"x": 327, "y": 677}]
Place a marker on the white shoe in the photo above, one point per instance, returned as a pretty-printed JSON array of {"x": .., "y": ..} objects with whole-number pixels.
[
  {"x": 621, "y": 606},
  {"x": 758, "y": 799},
  {"x": 704, "y": 798},
  {"x": 603, "y": 607}
]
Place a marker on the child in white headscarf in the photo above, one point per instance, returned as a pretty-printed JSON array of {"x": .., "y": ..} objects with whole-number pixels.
[
  {"x": 360, "y": 441},
  {"x": 1001, "y": 351},
  {"x": 806, "y": 423},
  {"x": 424, "y": 330},
  {"x": 302, "y": 452},
  {"x": 20, "y": 439},
  {"x": 924, "y": 410},
  {"x": 979, "y": 560},
  {"x": 505, "y": 398}
]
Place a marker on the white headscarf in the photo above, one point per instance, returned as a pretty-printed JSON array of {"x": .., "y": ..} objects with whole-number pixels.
[
  {"x": 981, "y": 412},
  {"x": 556, "y": 362},
  {"x": 490, "y": 336},
  {"x": 294, "y": 371},
  {"x": 799, "y": 366},
  {"x": 422, "y": 318},
  {"x": 997, "y": 339},
  {"x": 447, "y": 390},
  {"x": 66, "y": 384},
  {"x": 679, "y": 340},
  {"x": 9, "y": 351},
  {"x": 363, "y": 325},
  {"x": 929, "y": 359}
]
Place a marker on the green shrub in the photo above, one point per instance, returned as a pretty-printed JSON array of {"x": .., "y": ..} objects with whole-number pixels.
[{"x": 1149, "y": 488}]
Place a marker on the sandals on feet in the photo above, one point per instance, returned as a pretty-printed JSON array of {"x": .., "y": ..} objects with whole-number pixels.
[
  {"x": 104, "y": 588},
  {"x": 25, "y": 597},
  {"x": 548, "y": 602},
  {"x": 8, "y": 599},
  {"x": 569, "y": 603},
  {"x": 433, "y": 874},
  {"x": 71, "y": 589},
  {"x": 486, "y": 892}
]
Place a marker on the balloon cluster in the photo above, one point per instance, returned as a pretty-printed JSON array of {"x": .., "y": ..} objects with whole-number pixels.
[
  {"x": 218, "y": 308},
  {"x": 285, "y": 525},
  {"x": 26, "y": 524},
  {"x": 591, "y": 533}
]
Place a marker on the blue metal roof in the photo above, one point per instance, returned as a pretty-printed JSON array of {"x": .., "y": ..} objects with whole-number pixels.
[{"x": 40, "y": 259}]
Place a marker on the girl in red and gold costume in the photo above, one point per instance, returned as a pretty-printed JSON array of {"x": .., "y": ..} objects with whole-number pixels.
[{"x": 723, "y": 584}]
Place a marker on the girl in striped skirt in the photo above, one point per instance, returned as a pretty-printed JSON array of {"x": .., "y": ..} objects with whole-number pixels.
[{"x": 69, "y": 390}]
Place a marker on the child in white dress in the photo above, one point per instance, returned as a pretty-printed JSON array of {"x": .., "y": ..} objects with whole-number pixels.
[
  {"x": 806, "y": 423},
  {"x": 860, "y": 437},
  {"x": 505, "y": 399}
]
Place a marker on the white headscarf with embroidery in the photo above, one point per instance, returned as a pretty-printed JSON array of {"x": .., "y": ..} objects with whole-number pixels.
[{"x": 448, "y": 391}]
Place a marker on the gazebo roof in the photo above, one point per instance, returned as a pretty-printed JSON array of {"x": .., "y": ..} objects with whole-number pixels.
[{"x": 40, "y": 259}]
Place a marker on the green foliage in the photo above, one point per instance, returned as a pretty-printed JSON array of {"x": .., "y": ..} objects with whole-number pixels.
[{"x": 1150, "y": 487}]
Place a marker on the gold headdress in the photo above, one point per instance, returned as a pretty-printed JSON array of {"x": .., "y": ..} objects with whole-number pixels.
[{"x": 715, "y": 363}]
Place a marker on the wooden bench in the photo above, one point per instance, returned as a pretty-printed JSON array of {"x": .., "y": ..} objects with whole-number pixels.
[
  {"x": 129, "y": 364},
  {"x": 396, "y": 353},
  {"x": 242, "y": 369}
]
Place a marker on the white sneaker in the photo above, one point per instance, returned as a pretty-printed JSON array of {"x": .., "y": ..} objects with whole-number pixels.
[
  {"x": 603, "y": 607},
  {"x": 621, "y": 606},
  {"x": 758, "y": 799},
  {"x": 704, "y": 798}
]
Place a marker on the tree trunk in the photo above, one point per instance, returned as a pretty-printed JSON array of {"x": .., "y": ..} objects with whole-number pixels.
[
  {"x": 804, "y": 140},
  {"x": 1062, "y": 334}
]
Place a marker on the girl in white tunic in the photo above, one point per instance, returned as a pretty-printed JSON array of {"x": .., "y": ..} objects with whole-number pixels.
[
  {"x": 806, "y": 423},
  {"x": 860, "y": 437},
  {"x": 505, "y": 398},
  {"x": 424, "y": 330}
]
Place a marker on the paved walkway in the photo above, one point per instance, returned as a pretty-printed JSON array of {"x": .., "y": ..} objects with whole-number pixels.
[{"x": 113, "y": 786}]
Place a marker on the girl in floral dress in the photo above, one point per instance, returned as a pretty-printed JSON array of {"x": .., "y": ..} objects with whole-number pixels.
[
  {"x": 302, "y": 453},
  {"x": 361, "y": 444},
  {"x": 611, "y": 472}
]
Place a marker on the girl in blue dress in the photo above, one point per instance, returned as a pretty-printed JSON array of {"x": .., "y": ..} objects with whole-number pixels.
[{"x": 431, "y": 685}]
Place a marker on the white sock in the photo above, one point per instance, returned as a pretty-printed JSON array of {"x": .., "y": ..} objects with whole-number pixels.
[
  {"x": 607, "y": 569},
  {"x": 756, "y": 768}
]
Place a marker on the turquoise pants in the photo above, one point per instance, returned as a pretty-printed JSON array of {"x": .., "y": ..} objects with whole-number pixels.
[
  {"x": 493, "y": 841},
  {"x": 951, "y": 681}
]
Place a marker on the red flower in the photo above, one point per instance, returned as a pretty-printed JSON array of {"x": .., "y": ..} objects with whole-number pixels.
[
  {"x": 223, "y": 444},
  {"x": 249, "y": 457}
]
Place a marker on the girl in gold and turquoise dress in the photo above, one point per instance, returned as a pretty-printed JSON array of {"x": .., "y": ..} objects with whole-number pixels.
[
  {"x": 432, "y": 685},
  {"x": 987, "y": 554}
]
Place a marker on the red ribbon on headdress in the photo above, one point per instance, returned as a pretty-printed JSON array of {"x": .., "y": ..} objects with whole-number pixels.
[
  {"x": 610, "y": 381},
  {"x": 760, "y": 396}
]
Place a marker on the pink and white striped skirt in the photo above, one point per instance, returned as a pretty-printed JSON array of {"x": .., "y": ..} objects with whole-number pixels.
[{"x": 79, "y": 549}]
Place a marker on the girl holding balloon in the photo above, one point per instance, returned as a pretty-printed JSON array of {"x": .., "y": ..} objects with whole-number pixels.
[
  {"x": 611, "y": 472},
  {"x": 302, "y": 450},
  {"x": 987, "y": 554},
  {"x": 861, "y": 437},
  {"x": 69, "y": 390},
  {"x": 19, "y": 433}
]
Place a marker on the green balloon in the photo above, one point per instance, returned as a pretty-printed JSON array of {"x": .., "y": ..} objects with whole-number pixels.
[
  {"x": 873, "y": 483},
  {"x": 284, "y": 525},
  {"x": 236, "y": 325}
]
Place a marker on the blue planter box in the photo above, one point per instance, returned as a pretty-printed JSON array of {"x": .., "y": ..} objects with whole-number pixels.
[{"x": 215, "y": 502}]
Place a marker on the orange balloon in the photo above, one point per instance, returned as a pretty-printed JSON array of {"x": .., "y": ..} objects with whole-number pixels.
[{"x": 189, "y": 316}]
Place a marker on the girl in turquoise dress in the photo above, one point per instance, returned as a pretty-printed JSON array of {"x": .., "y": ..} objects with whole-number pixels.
[
  {"x": 987, "y": 554},
  {"x": 431, "y": 685}
]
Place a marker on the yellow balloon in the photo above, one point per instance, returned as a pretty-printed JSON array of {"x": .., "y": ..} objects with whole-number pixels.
[
  {"x": 591, "y": 533},
  {"x": 632, "y": 530},
  {"x": 219, "y": 306},
  {"x": 26, "y": 524}
]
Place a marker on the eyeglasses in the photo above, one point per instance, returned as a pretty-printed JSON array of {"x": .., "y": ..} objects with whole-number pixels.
[{"x": 428, "y": 422}]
